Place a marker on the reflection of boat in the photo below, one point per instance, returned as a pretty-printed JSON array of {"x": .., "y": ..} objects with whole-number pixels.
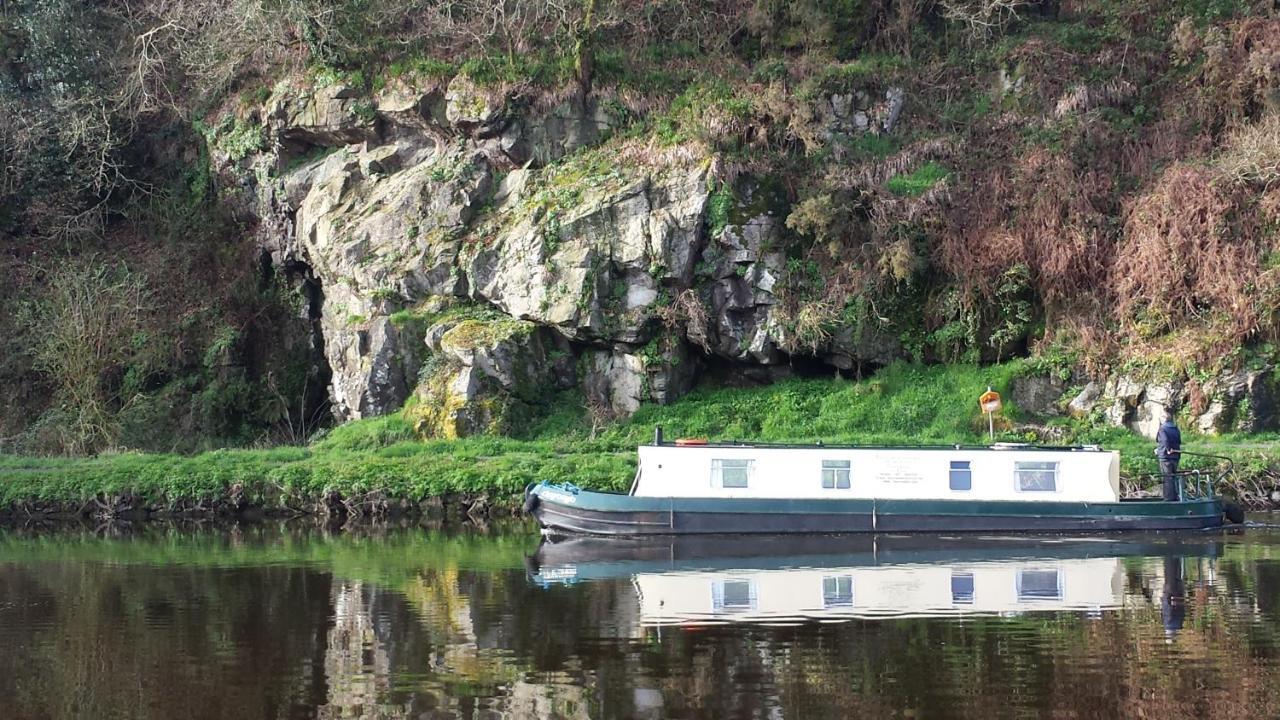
[
  {"x": 888, "y": 590},
  {"x": 835, "y": 577},
  {"x": 736, "y": 488}
]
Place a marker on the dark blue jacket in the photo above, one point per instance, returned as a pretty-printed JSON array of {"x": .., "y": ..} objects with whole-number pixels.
[{"x": 1168, "y": 441}]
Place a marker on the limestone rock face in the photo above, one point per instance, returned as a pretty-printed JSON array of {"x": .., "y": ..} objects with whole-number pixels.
[
  {"x": 326, "y": 116},
  {"x": 380, "y": 227},
  {"x": 1138, "y": 405},
  {"x": 1156, "y": 398},
  {"x": 408, "y": 107},
  {"x": 622, "y": 380},
  {"x": 850, "y": 114},
  {"x": 594, "y": 268},
  {"x": 1083, "y": 403},
  {"x": 488, "y": 375},
  {"x": 1037, "y": 395},
  {"x": 431, "y": 193},
  {"x": 374, "y": 368},
  {"x": 546, "y": 137},
  {"x": 475, "y": 111},
  {"x": 745, "y": 271},
  {"x": 1246, "y": 401}
]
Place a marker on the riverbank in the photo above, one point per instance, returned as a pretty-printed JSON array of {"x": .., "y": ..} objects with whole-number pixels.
[{"x": 378, "y": 468}]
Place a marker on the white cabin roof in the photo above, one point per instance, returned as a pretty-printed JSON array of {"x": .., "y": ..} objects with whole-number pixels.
[{"x": 1000, "y": 472}]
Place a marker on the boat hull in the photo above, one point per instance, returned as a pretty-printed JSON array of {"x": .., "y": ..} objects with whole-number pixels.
[{"x": 574, "y": 511}]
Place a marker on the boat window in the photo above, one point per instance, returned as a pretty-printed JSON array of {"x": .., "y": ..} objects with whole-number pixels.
[
  {"x": 835, "y": 474},
  {"x": 961, "y": 588},
  {"x": 1039, "y": 585},
  {"x": 1037, "y": 476},
  {"x": 837, "y": 591},
  {"x": 730, "y": 473},
  {"x": 733, "y": 596},
  {"x": 961, "y": 475}
]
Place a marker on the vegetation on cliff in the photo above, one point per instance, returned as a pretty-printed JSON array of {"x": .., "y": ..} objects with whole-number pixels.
[{"x": 949, "y": 181}]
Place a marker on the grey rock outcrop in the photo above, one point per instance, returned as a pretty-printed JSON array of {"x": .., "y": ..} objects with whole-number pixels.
[
  {"x": 487, "y": 376},
  {"x": 594, "y": 269},
  {"x": 622, "y": 379},
  {"x": 1246, "y": 401},
  {"x": 434, "y": 192},
  {"x": 378, "y": 236},
  {"x": 1086, "y": 400},
  {"x": 326, "y": 116},
  {"x": 1037, "y": 395},
  {"x": 1138, "y": 405},
  {"x": 374, "y": 368},
  {"x": 744, "y": 272},
  {"x": 853, "y": 113}
]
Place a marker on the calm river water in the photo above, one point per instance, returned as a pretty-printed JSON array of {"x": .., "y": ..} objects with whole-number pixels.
[{"x": 273, "y": 621}]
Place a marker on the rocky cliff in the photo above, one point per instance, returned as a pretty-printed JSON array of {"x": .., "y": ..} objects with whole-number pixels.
[{"x": 475, "y": 252}]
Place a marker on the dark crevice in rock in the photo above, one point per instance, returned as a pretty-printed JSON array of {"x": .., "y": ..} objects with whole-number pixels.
[{"x": 316, "y": 403}]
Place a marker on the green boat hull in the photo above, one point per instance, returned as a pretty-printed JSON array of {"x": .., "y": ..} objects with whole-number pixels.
[{"x": 571, "y": 510}]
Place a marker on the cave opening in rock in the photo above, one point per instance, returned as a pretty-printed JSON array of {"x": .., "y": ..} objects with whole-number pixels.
[{"x": 309, "y": 401}]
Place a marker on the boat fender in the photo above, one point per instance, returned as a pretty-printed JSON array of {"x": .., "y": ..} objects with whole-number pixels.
[
  {"x": 691, "y": 442},
  {"x": 530, "y": 500},
  {"x": 1233, "y": 512}
]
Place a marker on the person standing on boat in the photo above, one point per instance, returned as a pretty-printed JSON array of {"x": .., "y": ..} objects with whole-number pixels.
[{"x": 1169, "y": 452}]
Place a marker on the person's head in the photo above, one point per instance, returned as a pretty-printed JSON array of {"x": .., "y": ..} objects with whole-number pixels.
[{"x": 1170, "y": 414}]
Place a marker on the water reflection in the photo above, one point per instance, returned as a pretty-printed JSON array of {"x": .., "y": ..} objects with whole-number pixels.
[
  {"x": 274, "y": 622},
  {"x": 831, "y": 578}
]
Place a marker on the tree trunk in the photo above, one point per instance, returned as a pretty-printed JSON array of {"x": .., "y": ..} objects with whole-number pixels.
[{"x": 584, "y": 50}]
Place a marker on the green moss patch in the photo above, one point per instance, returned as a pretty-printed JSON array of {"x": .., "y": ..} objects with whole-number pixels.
[{"x": 918, "y": 181}]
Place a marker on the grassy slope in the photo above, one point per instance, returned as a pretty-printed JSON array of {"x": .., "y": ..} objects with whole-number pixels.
[{"x": 902, "y": 404}]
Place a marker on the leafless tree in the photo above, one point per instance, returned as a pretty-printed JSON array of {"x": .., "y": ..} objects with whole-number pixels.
[{"x": 982, "y": 18}]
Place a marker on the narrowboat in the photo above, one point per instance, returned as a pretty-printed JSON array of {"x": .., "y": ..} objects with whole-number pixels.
[{"x": 700, "y": 487}]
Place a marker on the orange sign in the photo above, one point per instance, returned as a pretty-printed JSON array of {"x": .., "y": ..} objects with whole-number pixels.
[{"x": 989, "y": 401}]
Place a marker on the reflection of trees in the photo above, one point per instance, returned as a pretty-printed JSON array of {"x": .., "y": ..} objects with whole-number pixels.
[
  {"x": 103, "y": 641},
  {"x": 274, "y": 639}
]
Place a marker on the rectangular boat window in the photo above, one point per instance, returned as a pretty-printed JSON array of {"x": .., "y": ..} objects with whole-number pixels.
[
  {"x": 837, "y": 591},
  {"x": 961, "y": 475},
  {"x": 835, "y": 474},
  {"x": 1036, "y": 476},
  {"x": 730, "y": 473},
  {"x": 961, "y": 588},
  {"x": 1039, "y": 585},
  {"x": 733, "y": 596}
]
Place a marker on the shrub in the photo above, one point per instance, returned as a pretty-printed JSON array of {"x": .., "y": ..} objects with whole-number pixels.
[
  {"x": 1183, "y": 260},
  {"x": 1252, "y": 153},
  {"x": 85, "y": 329}
]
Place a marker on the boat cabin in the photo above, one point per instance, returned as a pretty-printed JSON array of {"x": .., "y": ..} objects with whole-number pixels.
[{"x": 998, "y": 472}]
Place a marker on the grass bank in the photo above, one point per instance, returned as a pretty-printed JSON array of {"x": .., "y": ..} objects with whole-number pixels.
[{"x": 381, "y": 458}]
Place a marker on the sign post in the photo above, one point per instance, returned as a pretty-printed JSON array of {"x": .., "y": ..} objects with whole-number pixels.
[{"x": 989, "y": 401}]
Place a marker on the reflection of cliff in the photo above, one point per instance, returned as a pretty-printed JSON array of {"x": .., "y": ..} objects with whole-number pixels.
[
  {"x": 356, "y": 664},
  {"x": 398, "y": 654}
]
